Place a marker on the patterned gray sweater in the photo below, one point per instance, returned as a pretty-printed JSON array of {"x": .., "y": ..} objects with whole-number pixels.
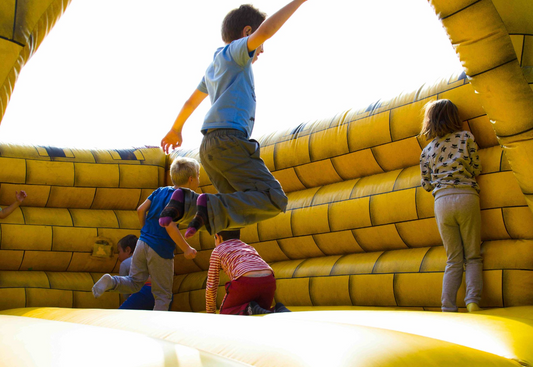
[{"x": 450, "y": 162}]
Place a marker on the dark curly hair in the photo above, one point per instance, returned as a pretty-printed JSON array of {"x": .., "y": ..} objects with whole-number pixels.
[{"x": 237, "y": 19}]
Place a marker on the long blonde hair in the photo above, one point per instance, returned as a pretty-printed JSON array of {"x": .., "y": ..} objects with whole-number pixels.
[{"x": 441, "y": 118}]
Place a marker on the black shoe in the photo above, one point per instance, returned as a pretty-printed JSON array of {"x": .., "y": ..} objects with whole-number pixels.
[
  {"x": 254, "y": 309},
  {"x": 280, "y": 307}
]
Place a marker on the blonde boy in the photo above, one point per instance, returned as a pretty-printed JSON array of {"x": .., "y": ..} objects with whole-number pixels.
[{"x": 154, "y": 253}]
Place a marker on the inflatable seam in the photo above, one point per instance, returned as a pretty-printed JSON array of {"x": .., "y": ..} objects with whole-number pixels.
[
  {"x": 400, "y": 235},
  {"x": 503, "y": 288},
  {"x": 430, "y": 249},
  {"x": 493, "y": 68},
  {"x": 517, "y": 134},
  {"x": 460, "y": 10},
  {"x": 12, "y": 41},
  {"x": 370, "y": 212},
  {"x": 376, "y": 262},
  {"x": 309, "y": 290},
  {"x": 70, "y": 260},
  {"x": 394, "y": 292},
  {"x": 504, "y": 224},
  {"x": 281, "y": 247}
]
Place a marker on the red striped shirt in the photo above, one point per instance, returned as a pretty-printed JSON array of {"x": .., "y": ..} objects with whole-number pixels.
[{"x": 235, "y": 258}]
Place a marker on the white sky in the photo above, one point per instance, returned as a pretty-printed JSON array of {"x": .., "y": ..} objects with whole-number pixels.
[{"x": 115, "y": 73}]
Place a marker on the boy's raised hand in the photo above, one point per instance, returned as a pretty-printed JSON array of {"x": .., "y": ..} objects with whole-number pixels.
[{"x": 172, "y": 140}]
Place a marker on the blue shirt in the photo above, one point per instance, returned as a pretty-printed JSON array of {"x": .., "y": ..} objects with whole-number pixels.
[
  {"x": 229, "y": 81},
  {"x": 152, "y": 233}
]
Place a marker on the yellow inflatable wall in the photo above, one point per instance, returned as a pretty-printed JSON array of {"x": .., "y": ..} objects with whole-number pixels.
[{"x": 359, "y": 233}]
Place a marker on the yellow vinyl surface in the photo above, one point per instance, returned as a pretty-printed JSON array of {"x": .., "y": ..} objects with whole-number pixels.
[{"x": 333, "y": 339}]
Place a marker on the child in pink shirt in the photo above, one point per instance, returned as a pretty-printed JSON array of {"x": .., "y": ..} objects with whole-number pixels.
[{"x": 251, "y": 288}]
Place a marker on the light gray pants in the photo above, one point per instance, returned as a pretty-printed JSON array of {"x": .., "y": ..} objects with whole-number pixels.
[
  {"x": 248, "y": 193},
  {"x": 146, "y": 262},
  {"x": 459, "y": 220}
]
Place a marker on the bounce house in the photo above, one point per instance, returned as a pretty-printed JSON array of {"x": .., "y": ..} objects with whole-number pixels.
[{"x": 357, "y": 255}]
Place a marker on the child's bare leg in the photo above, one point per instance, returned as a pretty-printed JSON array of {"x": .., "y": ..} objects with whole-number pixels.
[
  {"x": 174, "y": 209},
  {"x": 200, "y": 219}
]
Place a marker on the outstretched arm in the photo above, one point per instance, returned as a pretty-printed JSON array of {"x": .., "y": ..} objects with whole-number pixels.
[
  {"x": 272, "y": 24},
  {"x": 211, "y": 286},
  {"x": 173, "y": 139},
  {"x": 19, "y": 196}
]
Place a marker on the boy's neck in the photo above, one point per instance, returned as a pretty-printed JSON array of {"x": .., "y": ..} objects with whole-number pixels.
[
  {"x": 184, "y": 187},
  {"x": 227, "y": 43}
]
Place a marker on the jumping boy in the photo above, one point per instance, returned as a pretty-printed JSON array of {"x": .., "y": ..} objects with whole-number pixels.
[
  {"x": 251, "y": 288},
  {"x": 154, "y": 252},
  {"x": 247, "y": 191}
]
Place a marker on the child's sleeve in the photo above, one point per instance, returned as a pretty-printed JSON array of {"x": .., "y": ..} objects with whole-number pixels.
[
  {"x": 212, "y": 283},
  {"x": 238, "y": 50},
  {"x": 154, "y": 193},
  {"x": 425, "y": 172},
  {"x": 202, "y": 87},
  {"x": 475, "y": 163},
  {"x": 124, "y": 269}
]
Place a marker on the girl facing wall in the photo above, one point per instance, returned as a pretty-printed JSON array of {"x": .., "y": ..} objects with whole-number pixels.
[{"x": 449, "y": 165}]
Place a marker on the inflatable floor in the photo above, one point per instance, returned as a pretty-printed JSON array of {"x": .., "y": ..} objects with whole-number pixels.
[{"x": 357, "y": 255}]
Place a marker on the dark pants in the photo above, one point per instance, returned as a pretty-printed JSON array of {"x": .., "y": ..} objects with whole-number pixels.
[
  {"x": 244, "y": 290},
  {"x": 142, "y": 300},
  {"x": 248, "y": 193}
]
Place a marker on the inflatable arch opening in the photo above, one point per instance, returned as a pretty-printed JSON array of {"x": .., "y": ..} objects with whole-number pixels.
[{"x": 358, "y": 248}]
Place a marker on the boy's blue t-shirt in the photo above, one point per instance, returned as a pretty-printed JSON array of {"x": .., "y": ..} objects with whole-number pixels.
[
  {"x": 152, "y": 233},
  {"x": 229, "y": 81}
]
